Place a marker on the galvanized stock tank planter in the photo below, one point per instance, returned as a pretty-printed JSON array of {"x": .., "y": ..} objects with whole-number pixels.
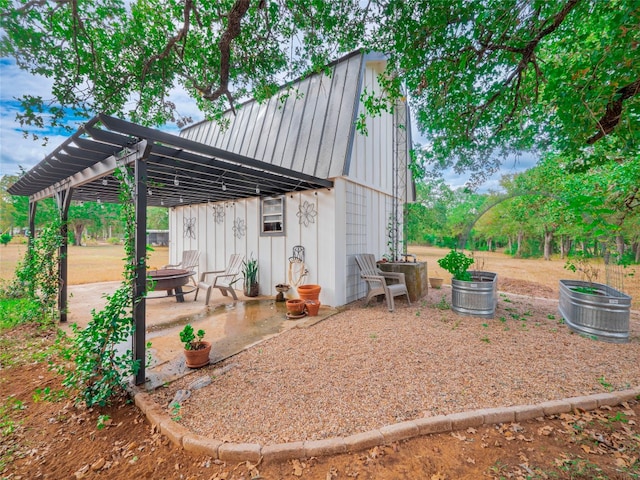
[
  {"x": 477, "y": 297},
  {"x": 603, "y": 314}
]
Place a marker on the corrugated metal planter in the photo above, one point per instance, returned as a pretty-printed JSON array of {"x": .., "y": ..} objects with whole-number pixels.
[
  {"x": 603, "y": 315},
  {"x": 477, "y": 297}
]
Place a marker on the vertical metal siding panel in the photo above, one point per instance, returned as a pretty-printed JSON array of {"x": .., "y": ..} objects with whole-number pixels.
[
  {"x": 258, "y": 128},
  {"x": 240, "y": 129},
  {"x": 300, "y": 162},
  {"x": 333, "y": 148},
  {"x": 213, "y": 134},
  {"x": 210, "y": 248},
  {"x": 319, "y": 126},
  {"x": 228, "y": 134},
  {"x": 270, "y": 132},
  {"x": 281, "y": 140},
  {"x": 298, "y": 116}
]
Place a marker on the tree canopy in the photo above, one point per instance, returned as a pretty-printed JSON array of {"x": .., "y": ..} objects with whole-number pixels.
[{"x": 484, "y": 77}]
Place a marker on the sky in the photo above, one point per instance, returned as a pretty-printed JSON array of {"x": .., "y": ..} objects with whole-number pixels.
[{"x": 17, "y": 151}]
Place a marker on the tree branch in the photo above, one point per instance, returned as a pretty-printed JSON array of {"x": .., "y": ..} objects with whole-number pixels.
[{"x": 612, "y": 115}]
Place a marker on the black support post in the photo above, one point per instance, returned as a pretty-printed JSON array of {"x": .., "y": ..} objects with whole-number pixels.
[
  {"x": 63, "y": 200},
  {"x": 140, "y": 285}
]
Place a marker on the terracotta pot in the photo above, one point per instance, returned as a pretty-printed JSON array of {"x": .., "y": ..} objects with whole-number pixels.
[
  {"x": 198, "y": 358},
  {"x": 309, "y": 292},
  {"x": 435, "y": 282},
  {"x": 295, "y": 307},
  {"x": 312, "y": 307}
]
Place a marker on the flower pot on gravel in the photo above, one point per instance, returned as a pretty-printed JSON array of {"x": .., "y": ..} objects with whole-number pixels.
[
  {"x": 198, "y": 358},
  {"x": 309, "y": 292},
  {"x": 435, "y": 282}
]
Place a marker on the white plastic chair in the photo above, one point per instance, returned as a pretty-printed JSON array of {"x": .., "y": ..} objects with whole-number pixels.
[
  {"x": 223, "y": 280},
  {"x": 189, "y": 262}
]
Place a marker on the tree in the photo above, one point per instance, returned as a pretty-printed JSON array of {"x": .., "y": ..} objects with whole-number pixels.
[{"x": 484, "y": 77}]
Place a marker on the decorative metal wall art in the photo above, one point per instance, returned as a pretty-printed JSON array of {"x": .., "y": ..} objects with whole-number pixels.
[
  {"x": 189, "y": 227},
  {"x": 307, "y": 213},
  {"x": 239, "y": 228},
  {"x": 218, "y": 213}
]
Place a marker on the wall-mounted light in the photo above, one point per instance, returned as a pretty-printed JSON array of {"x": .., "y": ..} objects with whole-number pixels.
[
  {"x": 98, "y": 201},
  {"x": 150, "y": 193},
  {"x": 257, "y": 189},
  {"x": 224, "y": 187},
  {"x": 105, "y": 182},
  {"x": 181, "y": 200},
  {"x": 176, "y": 182},
  {"x": 162, "y": 201}
]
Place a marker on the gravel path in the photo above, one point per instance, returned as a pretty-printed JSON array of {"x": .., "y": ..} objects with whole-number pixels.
[{"x": 365, "y": 368}]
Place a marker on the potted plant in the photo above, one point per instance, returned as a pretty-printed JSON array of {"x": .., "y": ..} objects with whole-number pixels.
[
  {"x": 196, "y": 350},
  {"x": 472, "y": 292},
  {"x": 250, "y": 273},
  {"x": 591, "y": 308}
]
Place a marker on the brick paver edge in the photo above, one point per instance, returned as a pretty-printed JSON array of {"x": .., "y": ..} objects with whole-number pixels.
[{"x": 199, "y": 445}]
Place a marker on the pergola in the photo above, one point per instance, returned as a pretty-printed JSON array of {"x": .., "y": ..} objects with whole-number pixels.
[{"x": 169, "y": 170}]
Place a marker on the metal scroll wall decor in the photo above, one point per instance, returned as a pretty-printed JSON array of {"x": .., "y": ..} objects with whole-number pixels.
[
  {"x": 189, "y": 227},
  {"x": 218, "y": 213},
  {"x": 239, "y": 228}
]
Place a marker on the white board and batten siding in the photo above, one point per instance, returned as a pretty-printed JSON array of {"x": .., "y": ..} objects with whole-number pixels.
[{"x": 238, "y": 231}]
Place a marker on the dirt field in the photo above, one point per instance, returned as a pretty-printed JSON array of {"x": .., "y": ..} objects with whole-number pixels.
[
  {"x": 88, "y": 264},
  {"x": 103, "y": 263}
]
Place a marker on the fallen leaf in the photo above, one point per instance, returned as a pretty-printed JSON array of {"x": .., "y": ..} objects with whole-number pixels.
[
  {"x": 546, "y": 430},
  {"x": 472, "y": 430},
  {"x": 586, "y": 448},
  {"x": 297, "y": 468},
  {"x": 620, "y": 462},
  {"x": 460, "y": 437}
]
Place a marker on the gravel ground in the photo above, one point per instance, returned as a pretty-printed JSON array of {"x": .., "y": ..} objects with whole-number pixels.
[{"x": 365, "y": 368}]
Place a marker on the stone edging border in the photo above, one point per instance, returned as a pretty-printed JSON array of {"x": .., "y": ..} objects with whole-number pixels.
[{"x": 254, "y": 452}]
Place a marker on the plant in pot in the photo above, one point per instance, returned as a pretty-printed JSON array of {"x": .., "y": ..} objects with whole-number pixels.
[
  {"x": 250, "y": 273},
  {"x": 196, "y": 350},
  {"x": 472, "y": 292},
  {"x": 594, "y": 309}
]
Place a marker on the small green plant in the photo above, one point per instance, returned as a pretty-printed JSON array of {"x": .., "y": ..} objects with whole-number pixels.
[
  {"x": 551, "y": 317},
  {"x": 47, "y": 395},
  {"x": 485, "y": 339},
  {"x": 250, "y": 272},
  {"x": 5, "y": 238},
  {"x": 457, "y": 264},
  {"x": 192, "y": 340},
  {"x": 606, "y": 385},
  {"x": 103, "y": 421},
  {"x": 443, "y": 304},
  {"x": 175, "y": 411},
  {"x": 581, "y": 263}
]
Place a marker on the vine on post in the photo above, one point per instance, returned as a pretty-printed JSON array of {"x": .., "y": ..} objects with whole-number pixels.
[
  {"x": 102, "y": 369},
  {"x": 36, "y": 277}
]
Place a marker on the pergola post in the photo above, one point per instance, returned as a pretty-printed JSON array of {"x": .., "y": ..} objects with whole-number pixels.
[
  {"x": 63, "y": 200},
  {"x": 140, "y": 256},
  {"x": 33, "y": 206}
]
